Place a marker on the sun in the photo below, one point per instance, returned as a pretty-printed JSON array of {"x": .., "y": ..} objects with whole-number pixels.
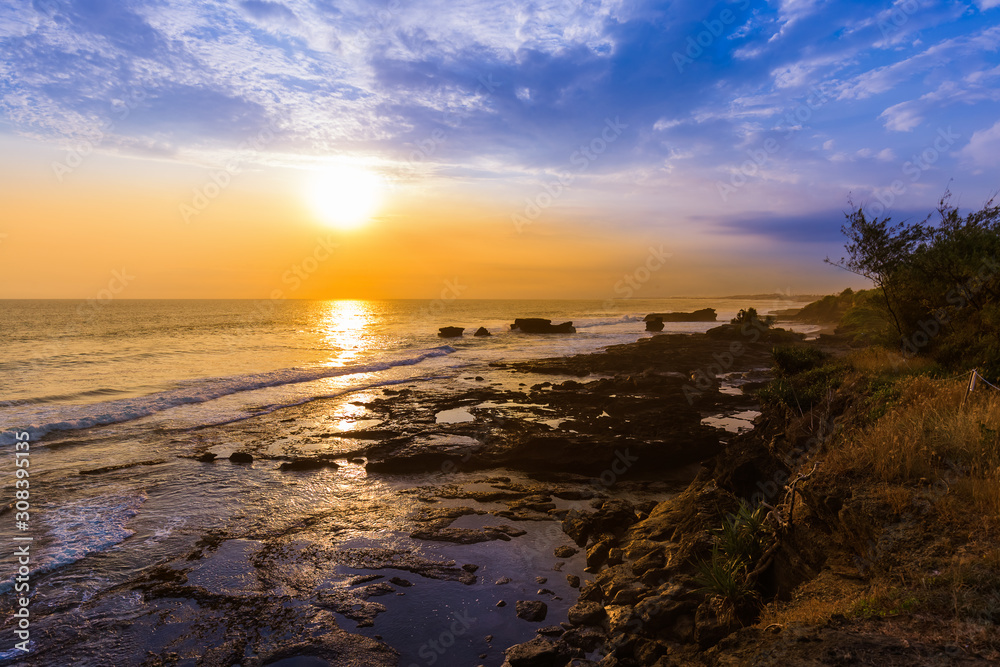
[{"x": 344, "y": 197}]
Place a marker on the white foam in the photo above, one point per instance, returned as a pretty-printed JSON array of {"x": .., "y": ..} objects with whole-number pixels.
[
  {"x": 624, "y": 319},
  {"x": 82, "y": 527},
  {"x": 65, "y": 418}
]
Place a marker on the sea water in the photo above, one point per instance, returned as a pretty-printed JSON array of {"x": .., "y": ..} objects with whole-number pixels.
[{"x": 132, "y": 387}]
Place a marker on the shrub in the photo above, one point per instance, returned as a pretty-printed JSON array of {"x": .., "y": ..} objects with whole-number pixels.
[{"x": 794, "y": 359}]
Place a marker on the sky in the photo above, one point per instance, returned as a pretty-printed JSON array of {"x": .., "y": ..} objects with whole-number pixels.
[{"x": 548, "y": 149}]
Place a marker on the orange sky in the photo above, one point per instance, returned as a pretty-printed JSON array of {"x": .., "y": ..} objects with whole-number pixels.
[{"x": 67, "y": 238}]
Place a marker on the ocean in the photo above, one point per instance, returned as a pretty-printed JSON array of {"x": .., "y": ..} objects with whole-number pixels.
[{"x": 112, "y": 397}]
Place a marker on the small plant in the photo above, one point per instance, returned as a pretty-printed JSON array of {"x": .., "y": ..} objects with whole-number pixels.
[{"x": 737, "y": 547}]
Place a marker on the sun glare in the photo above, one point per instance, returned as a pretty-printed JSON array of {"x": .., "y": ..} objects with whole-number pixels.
[{"x": 345, "y": 197}]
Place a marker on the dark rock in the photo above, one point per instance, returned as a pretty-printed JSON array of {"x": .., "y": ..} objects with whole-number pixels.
[
  {"x": 551, "y": 631},
  {"x": 573, "y": 580},
  {"x": 545, "y": 591},
  {"x": 207, "y": 457},
  {"x": 399, "y": 581},
  {"x": 587, "y": 638},
  {"x": 470, "y": 567},
  {"x": 587, "y": 613},
  {"x": 540, "y": 652},
  {"x": 654, "y": 325},
  {"x": 616, "y": 556},
  {"x": 503, "y": 580},
  {"x": 241, "y": 457},
  {"x": 501, "y": 603},
  {"x": 703, "y": 315},
  {"x": 537, "y": 325},
  {"x": 467, "y": 535},
  {"x": 565, "y": 551},
  {"x": 598, "y": 554},
  {"x": 540, "y": 580},
  {"x": 531, "y": 610},
  {"x": 591, "y": 591},
  {"x": 450, "y": 332},
  {"x": 659, "y": 613},
  {"x": 482, "y": 331},
  {"x": 307, "y": 464}
]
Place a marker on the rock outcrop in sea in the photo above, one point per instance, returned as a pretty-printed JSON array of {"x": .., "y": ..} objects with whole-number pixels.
[
  {"x": 538, "y": 325},
  {"x": 703, "y": 315}
]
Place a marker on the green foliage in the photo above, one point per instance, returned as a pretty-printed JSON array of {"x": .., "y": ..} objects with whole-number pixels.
[
  {"x": 938, "y": 284},
  {"x": 881, "y": 606},
  {"x": 828, "y": 309},
  {"x": 749, "y": 316},
  {"x": 795, "y": 359},
  {"x": 804, "y": 391},
  {"x": 737, "y": 547},
  {"x": 725, "y": 577}
]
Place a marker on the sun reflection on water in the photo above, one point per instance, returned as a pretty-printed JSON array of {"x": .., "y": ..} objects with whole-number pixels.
[{"x": 343, "y": 329}]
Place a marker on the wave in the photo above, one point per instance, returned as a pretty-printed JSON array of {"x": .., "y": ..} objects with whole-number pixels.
[
  {"x": 624, "y": 319},
  {"x": 56, "y": 398},
  {"x": 82, "y": 527},
  {"x": 202, "y": 391}
]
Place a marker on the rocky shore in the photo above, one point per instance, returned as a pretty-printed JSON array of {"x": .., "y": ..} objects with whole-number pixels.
[{"x": 564, "y": 511}]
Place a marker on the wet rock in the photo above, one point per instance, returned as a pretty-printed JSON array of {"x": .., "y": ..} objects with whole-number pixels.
[
  {"x": 540, "y": 652},
  {"x": 468, "y": 535},
  {"x": 587, "y": 638},
  {"x": 573, "y": 580},
  {"x": 531, "y": 610},
  {"x": 450, "y": 332},
  {"x": 307, "y": 464},
  {"x": 551, "y": 631},
  {"x": 501, "y": 603},
  {"x": 564, "y": 551},
  {"x": 482, "y": 331},
  {"x": 597, "y": 555},
  {"x": 403, "y": 583},
  {"x": 375, "y": 590},
  {"x": 207, "y": 457},
  {"x": 654, "y": 325},
  {"x": 502, "y": 580},
  {"x": 241, "y": 457},
  {"x": 545, "y": 591},
  {"x": 540, "y": 580},
  {"x": 470, "y": 567},
  {"x": 591, "y": 591},
  {"x": 587, "y": 613}
]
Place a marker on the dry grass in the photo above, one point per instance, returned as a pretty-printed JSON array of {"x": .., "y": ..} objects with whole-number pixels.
[
  {"x": 927, "y": 437},
  {"x": 877, "y": 360}
]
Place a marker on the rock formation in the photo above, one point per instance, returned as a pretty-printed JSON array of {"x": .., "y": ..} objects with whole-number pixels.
[{"x": 539, "y": 325}]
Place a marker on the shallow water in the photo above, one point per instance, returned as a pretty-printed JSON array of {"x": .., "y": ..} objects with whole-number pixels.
[{"x": 117, "y": 408}]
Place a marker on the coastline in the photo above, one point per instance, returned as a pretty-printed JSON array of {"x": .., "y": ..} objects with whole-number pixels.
[{"x": 557, "y": 481}]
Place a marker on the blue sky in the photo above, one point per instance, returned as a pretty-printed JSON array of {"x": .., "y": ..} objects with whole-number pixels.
[{"x": 746, "y": 118}]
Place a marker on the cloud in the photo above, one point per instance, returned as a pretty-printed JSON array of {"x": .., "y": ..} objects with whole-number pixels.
[
  {"x": 983, "y": 148},
  {"x": 901, "y": 117}
]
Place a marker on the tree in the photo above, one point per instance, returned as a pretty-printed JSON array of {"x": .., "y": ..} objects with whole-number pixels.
[{"x": 877, "y": 250}]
